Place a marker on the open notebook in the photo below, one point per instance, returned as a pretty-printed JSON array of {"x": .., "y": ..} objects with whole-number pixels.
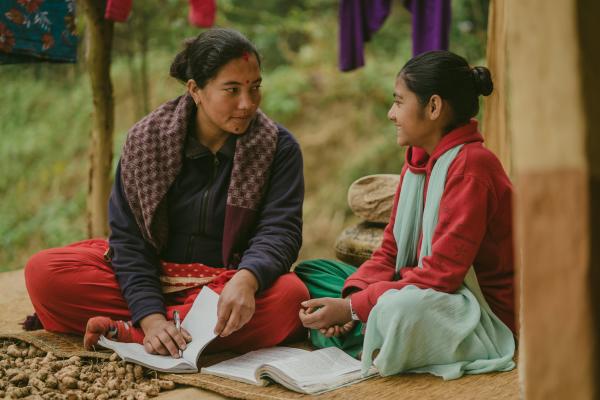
[
  {"x": 300, "y": 370},
  {"x": 199, "y": 322}
]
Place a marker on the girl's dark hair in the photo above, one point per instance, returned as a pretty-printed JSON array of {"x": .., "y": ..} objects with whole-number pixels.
[
  {"x": 205, "y": 54},
  {"x": 449, "y": 76}
]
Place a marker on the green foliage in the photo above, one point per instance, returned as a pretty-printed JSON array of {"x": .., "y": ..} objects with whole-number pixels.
[
  {"x": 468, "y": 29},
  {"x": 42, "y": 154},
  {"x": 283, "y": 90},
  {"x": 340, "y": 119}
]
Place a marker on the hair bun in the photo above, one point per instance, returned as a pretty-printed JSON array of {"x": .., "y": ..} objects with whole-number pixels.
[
  {"x": 483, "y": 80},
  {"x": 180, "y": 66}
]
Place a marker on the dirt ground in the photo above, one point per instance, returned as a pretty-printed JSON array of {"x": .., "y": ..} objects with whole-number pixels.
[{"x": 15, "y": 305}]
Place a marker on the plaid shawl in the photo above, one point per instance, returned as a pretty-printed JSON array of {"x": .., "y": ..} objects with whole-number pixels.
[{"x": 153, "y": 156}]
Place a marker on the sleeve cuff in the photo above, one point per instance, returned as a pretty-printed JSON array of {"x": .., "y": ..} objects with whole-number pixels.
[
  {"x": 262, "y": 283},
  {"x": 361, "y": 305},
  {"x": 147, "y": 310},
  {"x": 353, "y": 285}
]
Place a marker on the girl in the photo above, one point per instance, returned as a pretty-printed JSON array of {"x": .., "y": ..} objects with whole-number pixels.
[
  {"x": 437, "y": 296},
  {"x": 208, "y": 191}
]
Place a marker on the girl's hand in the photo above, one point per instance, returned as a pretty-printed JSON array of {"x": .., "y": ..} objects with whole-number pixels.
[
  {"x": 161, "y": 336},
  {"x": 325, "y": 313},
  {"x": 338, "y": 330}
]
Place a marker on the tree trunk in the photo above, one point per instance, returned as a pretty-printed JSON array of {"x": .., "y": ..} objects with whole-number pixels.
[
  {"x": 98, "y": 56},
  {"x": 142, "y": 35},
  {"x": 134, "y": 81}
]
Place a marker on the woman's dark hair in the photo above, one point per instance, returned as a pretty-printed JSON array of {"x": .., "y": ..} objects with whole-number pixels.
[
  {"x": 449, "y": 76},
  {"x": 204, "y": 55}
]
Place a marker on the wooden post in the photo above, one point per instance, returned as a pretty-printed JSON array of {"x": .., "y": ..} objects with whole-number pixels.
[
  {"x": 494, "y": 125},
  {"x": 99, "y": 45},
  {"x": 588, "y": 33},
  {"x": 555, "y": 126}
]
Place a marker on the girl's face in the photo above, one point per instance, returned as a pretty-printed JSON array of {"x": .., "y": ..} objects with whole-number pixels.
[
  {"x": 229, "y": 101},
  {"x": 414, "y": 125}
]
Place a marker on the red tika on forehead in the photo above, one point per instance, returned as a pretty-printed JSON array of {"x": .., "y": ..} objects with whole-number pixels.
[{"x": 246, "y": 56}]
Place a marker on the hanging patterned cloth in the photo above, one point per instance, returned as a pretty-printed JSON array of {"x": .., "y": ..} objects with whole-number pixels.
[{"x": 37, "y": 31}]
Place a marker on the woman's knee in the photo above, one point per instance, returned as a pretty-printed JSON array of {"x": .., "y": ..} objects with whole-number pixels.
[
  {"x": 38, "y": 265},
  {"x": 41, "y": 273},
  {"x": 291, "y": 289},
  {"x": 283, "y": 299}
]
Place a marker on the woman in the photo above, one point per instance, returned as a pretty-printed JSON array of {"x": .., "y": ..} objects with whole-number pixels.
[
  {"x": 208, "y": 191},
  {"x": 446, "y": 260}
]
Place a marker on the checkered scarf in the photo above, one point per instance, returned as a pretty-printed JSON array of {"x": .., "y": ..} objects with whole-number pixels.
[{"x": 153, "y": 155}]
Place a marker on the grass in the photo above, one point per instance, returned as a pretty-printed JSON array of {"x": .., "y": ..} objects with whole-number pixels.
[{"x": 42, "y": 150}]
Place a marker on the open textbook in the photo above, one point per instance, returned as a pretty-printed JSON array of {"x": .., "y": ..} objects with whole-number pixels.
[
  {"x": 300, "y": 370},
  {"x": 199, "y": 322},
  {"x": 310, "y": 372}
]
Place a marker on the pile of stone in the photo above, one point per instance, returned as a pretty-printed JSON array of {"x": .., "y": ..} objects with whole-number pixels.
[
  {"x": 371, "y": 199},
  {"x": 28, "y": 372}
]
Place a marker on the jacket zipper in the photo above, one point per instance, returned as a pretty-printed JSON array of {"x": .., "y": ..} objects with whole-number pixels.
[
  {"x": 206, "y": 196},
  {"x": 188, "y": 250}
]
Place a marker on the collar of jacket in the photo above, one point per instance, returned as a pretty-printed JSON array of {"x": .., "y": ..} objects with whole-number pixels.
[{"x": 419, "y": 162}]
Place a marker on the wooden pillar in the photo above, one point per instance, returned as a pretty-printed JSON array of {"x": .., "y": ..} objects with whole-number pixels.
[
  {"x": 588, "y": 14},
  {"x": 553, "y": 77},
  {"x": 99, "y": 44},
  {"x": 494, "y": 125}
]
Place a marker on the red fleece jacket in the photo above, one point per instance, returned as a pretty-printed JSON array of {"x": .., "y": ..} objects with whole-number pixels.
[{"x": 474, "y": 228}]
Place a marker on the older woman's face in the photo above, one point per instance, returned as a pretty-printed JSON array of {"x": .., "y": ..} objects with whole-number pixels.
[{"x": 230, "y": 100}]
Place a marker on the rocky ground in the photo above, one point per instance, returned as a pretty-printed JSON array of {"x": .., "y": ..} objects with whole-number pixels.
[{"x": 28, "y": 372}]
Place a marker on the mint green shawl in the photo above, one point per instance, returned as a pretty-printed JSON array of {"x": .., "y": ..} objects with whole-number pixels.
[{"x": 423, "y": 330}]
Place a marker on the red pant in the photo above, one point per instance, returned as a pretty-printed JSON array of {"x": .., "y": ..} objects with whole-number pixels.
[{"x": 68, "y": 285}]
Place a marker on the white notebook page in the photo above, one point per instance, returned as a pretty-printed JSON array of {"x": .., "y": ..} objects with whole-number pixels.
[
  {"x": 245, "y": 366},
  {"x": 318, "y": 365}
]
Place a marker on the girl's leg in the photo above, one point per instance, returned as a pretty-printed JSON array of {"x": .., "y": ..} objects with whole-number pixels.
[
  {"x": 325, "y": 278},
  {"x": 448, "y": 335},
  {"x": 68, "y": 285}
]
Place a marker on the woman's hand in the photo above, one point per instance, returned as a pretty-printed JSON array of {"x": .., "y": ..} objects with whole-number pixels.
[
  {"x": 236, "y": 303},
  {"x": 161, "y": 336},
  {"x": 326, "y": 313}
]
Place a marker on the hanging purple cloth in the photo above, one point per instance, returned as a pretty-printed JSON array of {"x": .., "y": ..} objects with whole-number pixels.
[
  {"x": 430, "y": 24},
  {"x": 359, "y": 19}
]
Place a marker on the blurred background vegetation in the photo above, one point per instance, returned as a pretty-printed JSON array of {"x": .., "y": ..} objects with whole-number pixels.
[{"x": 338, "y": 118}]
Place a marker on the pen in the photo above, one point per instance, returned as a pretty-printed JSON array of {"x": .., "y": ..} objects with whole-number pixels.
[{"x": 178, "y": 327}]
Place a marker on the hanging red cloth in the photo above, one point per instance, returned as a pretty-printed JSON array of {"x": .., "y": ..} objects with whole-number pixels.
[
  {"x": 118, "y": 10},
  {"x": 202, "y": 13}
]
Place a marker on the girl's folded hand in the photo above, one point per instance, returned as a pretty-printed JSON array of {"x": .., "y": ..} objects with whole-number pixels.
[
  {"x": 325, "y": 313},
  {"x": 338, "y": 330}
]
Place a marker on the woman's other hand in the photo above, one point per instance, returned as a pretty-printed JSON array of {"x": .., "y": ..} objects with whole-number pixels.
[
  {"x": 325, "y": 313},
  {"x": 161, "y": 336},
  {"x": 236, "y": 303}
]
